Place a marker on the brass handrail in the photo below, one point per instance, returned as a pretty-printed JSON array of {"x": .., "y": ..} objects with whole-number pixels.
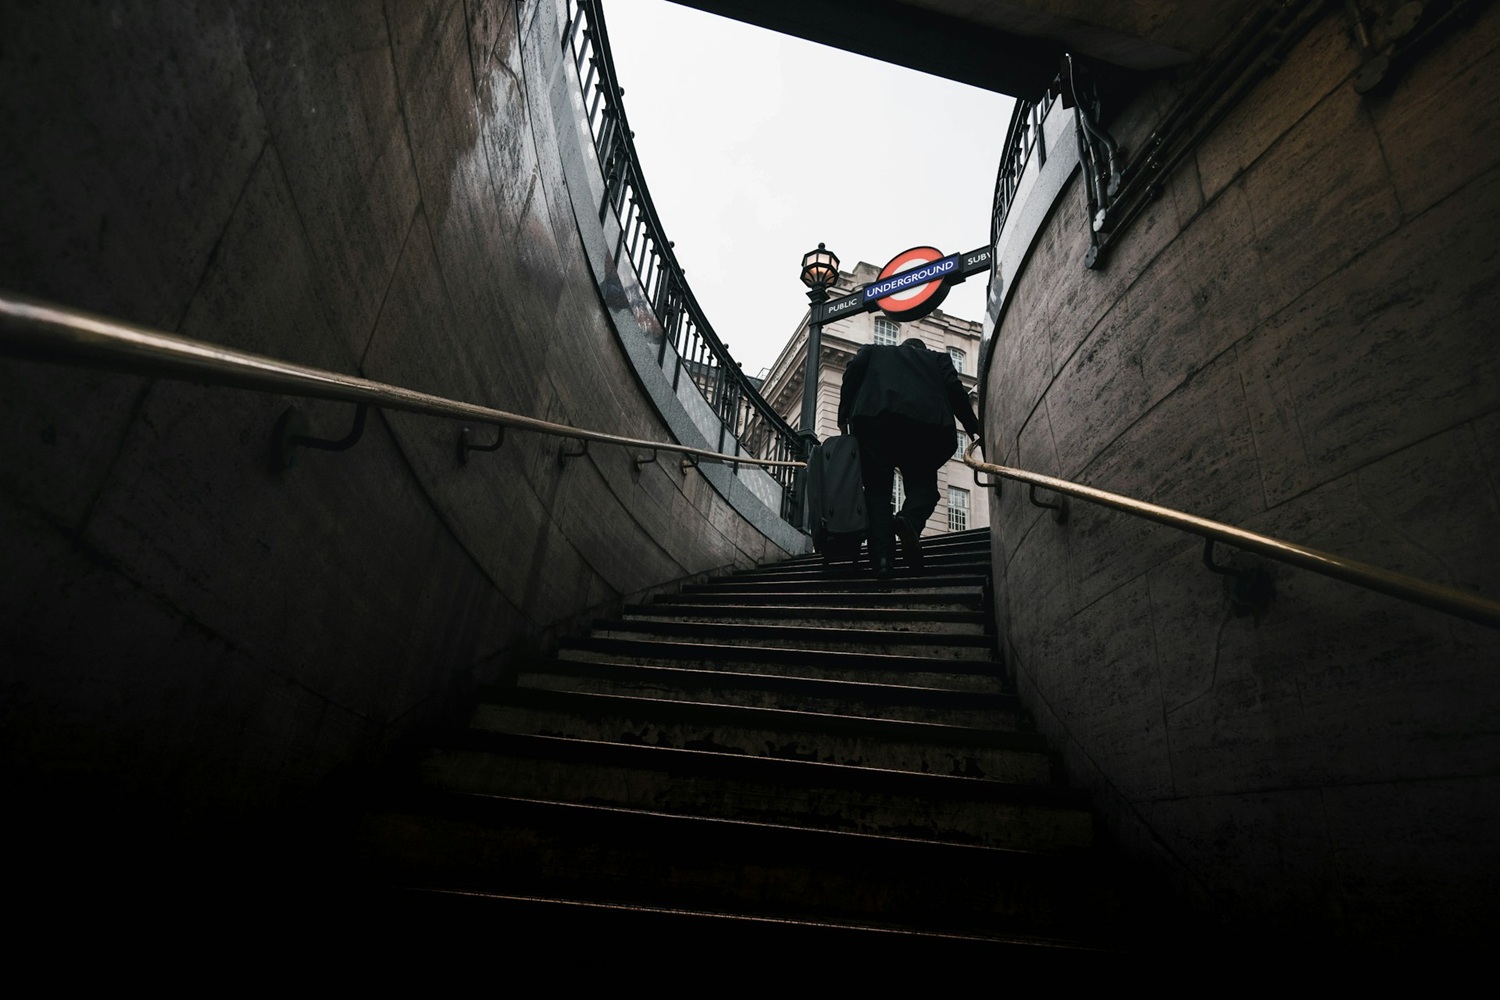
[
  {"x": 37, "y": 330},
  {"x": 1450, "y": 600}
]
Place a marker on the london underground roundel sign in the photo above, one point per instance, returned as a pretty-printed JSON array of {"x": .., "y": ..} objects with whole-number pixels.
[{"x": 914, "y": 283}]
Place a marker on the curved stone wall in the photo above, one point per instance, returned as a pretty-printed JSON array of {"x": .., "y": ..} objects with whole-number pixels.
[
  {"x": 188, "y": 640},
  {"x": 1298, "y": 338}
]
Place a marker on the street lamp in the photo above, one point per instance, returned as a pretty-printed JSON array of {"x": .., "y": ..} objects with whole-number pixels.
[{"x": 820, "y": 269}]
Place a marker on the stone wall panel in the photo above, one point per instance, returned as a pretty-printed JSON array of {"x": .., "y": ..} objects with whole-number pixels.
[
  {"x": 119, "y": 183},
  {"x": 1319, "y": 196},
  {"x": 1120, "y": 689},
  {"x": 1107, "y": 373},
  {"x": 1264, "y": 858},
  {"x": 1433, "y": 497},
  {"x": 373, "y": 189},
  {"x": 1203, "y": 459},
  {"x": 1405, "y": 851},
  {"x": 58, "y": 452},
  {"x": 1074, "y": 307},
  {"x": 1040, "y": 557},
  {"x": 1299, "y": 344},
  {"x": 1383, "y": 356},
  {"x": 324, "y": 78},
  {"x": 1212, "y": 272},
  {"x": 1023, "y": 353},
  {"x": 1324, "y": 61},
  {"x": 492, "y": 38},
  {"x": 1454, "y": 91},
  {"x": 1487, "y": 449}
]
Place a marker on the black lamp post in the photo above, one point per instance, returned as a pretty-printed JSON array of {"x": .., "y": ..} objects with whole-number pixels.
[{"x": 820, "y": 269}]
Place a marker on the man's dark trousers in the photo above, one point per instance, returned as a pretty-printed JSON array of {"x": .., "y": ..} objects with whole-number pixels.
[{"x": 888, "y": 442}]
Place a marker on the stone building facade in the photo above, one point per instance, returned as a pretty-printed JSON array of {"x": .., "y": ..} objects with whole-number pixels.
[{"x": 961, "y": 504}]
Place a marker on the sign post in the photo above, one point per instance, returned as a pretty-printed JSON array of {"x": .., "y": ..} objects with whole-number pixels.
[{"x": 912, "y": 285}]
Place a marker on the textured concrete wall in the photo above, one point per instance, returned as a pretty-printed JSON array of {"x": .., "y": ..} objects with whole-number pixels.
[
  {"x": 1299, "y": 338},
  {"x": 185, "y": 639}
]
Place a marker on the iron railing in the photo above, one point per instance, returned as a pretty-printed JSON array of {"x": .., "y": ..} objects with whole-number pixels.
[
  {"x": 1023, "y": 140},
  {"x": 36, "y": 330},
  {"x": 696, "y": 352},
  {"x": 1449, "y": 600}
]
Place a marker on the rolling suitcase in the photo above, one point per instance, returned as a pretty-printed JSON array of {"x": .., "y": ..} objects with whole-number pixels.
[{"x": 836, "y": 499}]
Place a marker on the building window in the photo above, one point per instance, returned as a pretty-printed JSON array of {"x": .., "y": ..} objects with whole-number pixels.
[
  {"x": 885, "y": 331},
  {"x": 958, "y": 452},
  {"x": 900, "y": 492},
  {"x": 958, "y": 509},
  {"x": 957, "y": 357}
]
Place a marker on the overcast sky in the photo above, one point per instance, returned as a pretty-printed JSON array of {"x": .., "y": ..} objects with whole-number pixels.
[{"x": 758, "y": 146}]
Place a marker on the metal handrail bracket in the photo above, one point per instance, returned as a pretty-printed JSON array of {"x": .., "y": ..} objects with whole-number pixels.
[
  {"x": 291, "y": 433},
  {"x": 464, "y": 447},
  {"x": 1439, "y": 597},
  {"x": 1059, "y": 507}
]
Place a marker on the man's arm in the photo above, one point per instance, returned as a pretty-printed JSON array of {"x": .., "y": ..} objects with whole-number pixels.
[
  {"x": 854, "y": 377},
  {"x": 958, "y": 399}
]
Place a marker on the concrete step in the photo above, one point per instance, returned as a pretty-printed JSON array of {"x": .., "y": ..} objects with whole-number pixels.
[
  {"x": 796, "y": 880},
  {"x": 855, "y": 583},
  {"x": 418, "y": 919},
  {"x": 1019, "y": 758},
  {"x": 977, "y": 541},
  {"x": 869, "y": 668},
  {"x": 863, "y": 800},
  {"x": 943, "y": 645},
  {"x": 893, "y": 618},
  {"x": 798, "y": 755},
  {"x": 973, "y": 709},
  {"x": 934, "y": 564},
  {"x": 948, "y": 599},
  {"x": 934, "y": 543}
]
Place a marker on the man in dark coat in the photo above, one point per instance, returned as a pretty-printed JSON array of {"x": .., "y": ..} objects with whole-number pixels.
[{"x": 899, "y": 402}]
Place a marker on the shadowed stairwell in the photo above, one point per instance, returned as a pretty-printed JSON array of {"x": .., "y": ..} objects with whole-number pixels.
[{"x": 785, "y": 755}]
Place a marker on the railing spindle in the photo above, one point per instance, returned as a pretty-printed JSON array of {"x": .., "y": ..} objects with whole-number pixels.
[{"x": 743, "y": 412}]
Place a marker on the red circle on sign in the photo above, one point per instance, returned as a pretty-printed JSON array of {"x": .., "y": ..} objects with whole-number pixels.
[{"x": 919, "y": 300}]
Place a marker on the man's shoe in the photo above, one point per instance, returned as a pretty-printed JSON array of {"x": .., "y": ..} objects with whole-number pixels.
[
  {"x": 911, "y": 544},
  {"x": 884, "y": 569}
]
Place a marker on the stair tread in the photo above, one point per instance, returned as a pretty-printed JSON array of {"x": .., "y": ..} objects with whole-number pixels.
[
  {"x": 735, "y": 927},
  {"x": 855, "y": 580},
  {"x": 778, "y": 773},
  {"x": 847, "y": 741},
  {"x": 938, "y": 734},
  {"x": 790, "y": 683},
  {"x": 641, "y": 857},
  {"x": 784, "y": 632},
  {"x": 663, "y": 608},
  {"x": 958, "y": 645},
  {"x": 852, "y": 658},
  {"x": 758, "y": 597}
]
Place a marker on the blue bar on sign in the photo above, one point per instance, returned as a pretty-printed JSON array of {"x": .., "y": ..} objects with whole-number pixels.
[
  {"x": 838, "y": 307},
  {"x": 912, "y": 278}
]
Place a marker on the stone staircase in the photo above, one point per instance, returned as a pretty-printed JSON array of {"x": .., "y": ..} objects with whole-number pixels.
[{"x": 788, "y": 756}]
